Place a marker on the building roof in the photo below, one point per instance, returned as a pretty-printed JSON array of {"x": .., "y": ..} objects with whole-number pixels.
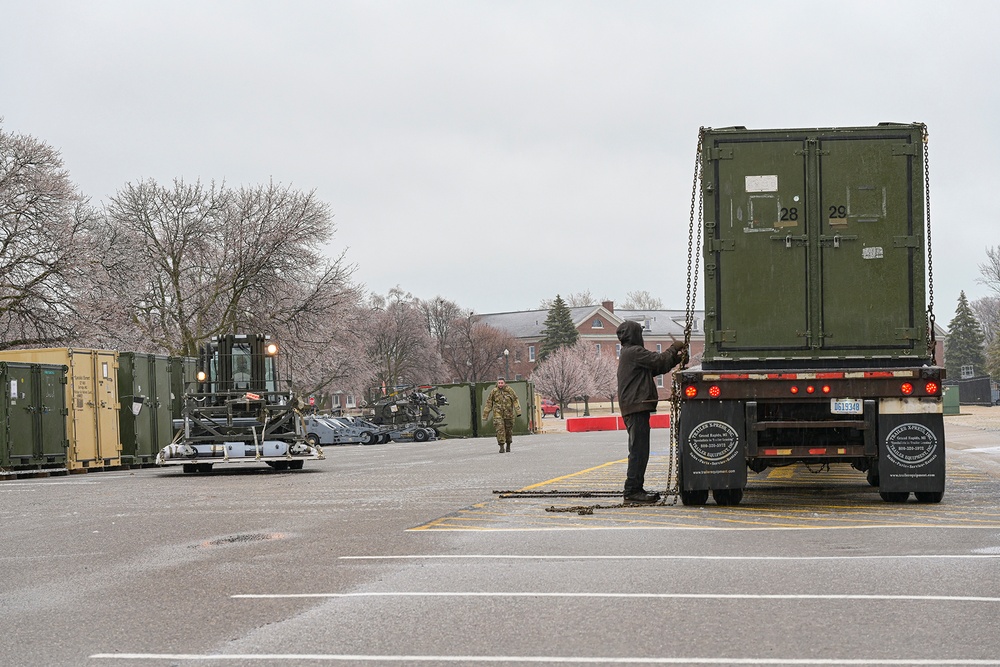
[{"x": 531, "y": 323}]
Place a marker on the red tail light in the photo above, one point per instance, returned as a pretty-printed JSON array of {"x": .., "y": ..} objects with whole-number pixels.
[
  {"x": 691, "y": 391},
  {"x": 810, "y": 389},
  {"x": 714, "y": 391},
  {"x": 826, "y": 389},
  {"x": 906, "y": 388},
  {"x": 931, "y": 388}
]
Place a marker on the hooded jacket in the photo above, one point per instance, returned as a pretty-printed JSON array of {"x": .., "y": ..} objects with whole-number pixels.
[{"x": 637, "y": 367}]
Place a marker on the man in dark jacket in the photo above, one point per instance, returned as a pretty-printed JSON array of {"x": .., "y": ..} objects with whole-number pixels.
[{"x": 637, "y": 397}]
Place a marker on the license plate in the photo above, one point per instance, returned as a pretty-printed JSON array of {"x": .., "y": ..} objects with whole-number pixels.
[{"x": 846, "y": 406}]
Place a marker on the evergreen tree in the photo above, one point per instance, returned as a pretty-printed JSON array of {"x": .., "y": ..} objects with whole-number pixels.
[
  {"x": 559, "y": 329},
  {"x": 964, "y": 346}
]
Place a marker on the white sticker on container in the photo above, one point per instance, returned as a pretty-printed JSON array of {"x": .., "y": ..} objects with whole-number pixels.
[
  {"x": 762, "y": 183},
  {"x": 13, "y": 388},
  {"x": 872, "y": 253}
]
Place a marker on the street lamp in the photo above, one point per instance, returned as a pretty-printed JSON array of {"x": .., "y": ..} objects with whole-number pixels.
[{"x": 506, "y": 364}]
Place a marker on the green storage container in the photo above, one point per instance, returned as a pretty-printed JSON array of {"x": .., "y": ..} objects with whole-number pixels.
[
  {"x": 951, "y": 396},
  {"x": 145, "y": 395},
  {"x": 33, "y": 416},
  {"x": 814, "y": 243},
  {"x": 460, "y": 420}
]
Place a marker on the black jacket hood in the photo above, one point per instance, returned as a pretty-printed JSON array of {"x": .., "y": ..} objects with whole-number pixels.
[{"x": 630, "y": 333}]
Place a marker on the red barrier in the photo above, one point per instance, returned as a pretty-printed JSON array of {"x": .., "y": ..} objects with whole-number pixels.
[{"x": 611, "y": 423}]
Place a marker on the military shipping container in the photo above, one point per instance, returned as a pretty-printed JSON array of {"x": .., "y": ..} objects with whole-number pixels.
[
  {"x": 91, "y": 395},
  {"x": 145, "y": 397},
  {"x": 32, "y": 416},
  {"x": 818, "y": 346}
]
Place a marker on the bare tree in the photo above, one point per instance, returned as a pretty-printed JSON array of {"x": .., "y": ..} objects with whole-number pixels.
[
  {"x": 44, "y": 223},
  {"x": 192, "y": 261},
  {"x": 575, "y": 300},
  {"x": 398, "y": 344},
  {"x": 641, "y": 300},
  {"x": 987, "y": 312},
  {"x": 990, "y": 270},
  {"x": 473, "y": 350},
  {"x": 565, "y": 375},
  {"x": 604, "y": 371},
  {"x": 439, "y": 314}
]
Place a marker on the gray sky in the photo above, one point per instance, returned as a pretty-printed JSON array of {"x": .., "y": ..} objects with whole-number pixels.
[{"x": 497, "y": 153}]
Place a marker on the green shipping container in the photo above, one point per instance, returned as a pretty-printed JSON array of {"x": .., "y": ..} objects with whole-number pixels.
[
  {"x": 145, "y": 395},
  {"x": 33, "y": 416},
  {"x": 460, "y": 414},
  {"x": 814, "y": 243}
]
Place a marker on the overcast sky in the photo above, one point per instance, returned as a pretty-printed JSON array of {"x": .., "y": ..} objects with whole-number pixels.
[{"x": 498, "y": 153}]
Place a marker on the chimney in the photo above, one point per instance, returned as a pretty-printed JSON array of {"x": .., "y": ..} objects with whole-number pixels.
[{"x": 609, "y": 306}]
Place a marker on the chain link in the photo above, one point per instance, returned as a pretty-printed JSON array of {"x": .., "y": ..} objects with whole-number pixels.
[
  {"x": 693, "y": 255},
  {"x": 931, "y": 336}
]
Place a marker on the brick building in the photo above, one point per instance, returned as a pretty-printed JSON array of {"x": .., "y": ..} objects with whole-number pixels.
[{"x": 596, "y": 326}]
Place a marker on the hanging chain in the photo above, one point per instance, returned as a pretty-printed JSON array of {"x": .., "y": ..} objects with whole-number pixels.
[
  {"x": 931, "y": 336},
  {"x": 693, "y": 255}
]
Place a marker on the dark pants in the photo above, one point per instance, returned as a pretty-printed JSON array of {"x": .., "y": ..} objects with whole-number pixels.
[{"x": 638, "y": 450}]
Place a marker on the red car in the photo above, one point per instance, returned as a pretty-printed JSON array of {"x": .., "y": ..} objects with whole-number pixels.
[{"x": 550, "y": 408}]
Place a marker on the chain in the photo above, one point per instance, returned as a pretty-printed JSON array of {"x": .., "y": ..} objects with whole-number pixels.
[
  {"x": 693, "y": 253},
  {"x": 931, "y": 337}
]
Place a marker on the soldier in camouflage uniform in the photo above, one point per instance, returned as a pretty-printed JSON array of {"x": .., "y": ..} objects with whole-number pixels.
[{"x": 502, "y": 402}]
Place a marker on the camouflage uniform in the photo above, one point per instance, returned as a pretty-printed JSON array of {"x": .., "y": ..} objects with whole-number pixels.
[{"x": 503, "y": 403}]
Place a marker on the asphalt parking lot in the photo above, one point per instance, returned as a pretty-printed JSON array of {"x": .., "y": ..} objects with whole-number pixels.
[{"x": 410, "y": 553}]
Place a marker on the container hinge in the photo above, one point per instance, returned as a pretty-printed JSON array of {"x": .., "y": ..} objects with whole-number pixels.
[
  {"x": 716, "y": 245},
  {"x": 720, "y": 153},
  {"x": 724, "y": 336},
  {"x": 709, "y": 269},
  {"x": 906, "y": 242},
  {"x": 908, "y": 334},
  {"x": 904, "y": 150}
]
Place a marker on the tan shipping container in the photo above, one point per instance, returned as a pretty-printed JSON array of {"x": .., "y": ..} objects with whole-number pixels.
[{"x": 91, "y": 400}]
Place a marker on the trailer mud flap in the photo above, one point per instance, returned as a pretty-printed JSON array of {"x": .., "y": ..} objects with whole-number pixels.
[
  {"x": 713, "y": 445},
  {"x": 911, "y": 446}
]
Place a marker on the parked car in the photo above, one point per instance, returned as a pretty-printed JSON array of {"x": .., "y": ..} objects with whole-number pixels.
[{"x": 550, "y": 408}]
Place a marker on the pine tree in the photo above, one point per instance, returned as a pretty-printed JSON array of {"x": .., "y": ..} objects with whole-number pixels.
[
  {"x": 559, "y": 329},
  {"x": 964, "y": 346}
]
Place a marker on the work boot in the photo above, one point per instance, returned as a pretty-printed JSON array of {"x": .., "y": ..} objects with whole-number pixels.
[
  {"x": 641, "y": 496},
  {"x": 508, "y": 446},
  {"x": 501, "y": 449}
]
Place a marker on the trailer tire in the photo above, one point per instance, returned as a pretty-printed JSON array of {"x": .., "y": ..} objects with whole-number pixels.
[
  {"x": 384, "y": 438},
  {"x": 203, "y": 467},
  {"x": 698, "y": 497},
  {"x": 928, "y": 496},
  {"x": 189, "y": 468},
  {"x": 420, "y": 435},
  {"x": 312, "y": 440},
  {"x": 726, "y": 497},
  {"x": 368, "y": 438},
  {"x": 872, "y": 476},
  {"x": 278, "y": 465},
  {"x": 894, "y": 496},
  {"x": 296, "y": 465}
]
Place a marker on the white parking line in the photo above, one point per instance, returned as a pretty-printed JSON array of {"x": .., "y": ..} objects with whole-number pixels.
[
  {"x": 630, "y": 596},
  {"x": 475, "y": 659}
]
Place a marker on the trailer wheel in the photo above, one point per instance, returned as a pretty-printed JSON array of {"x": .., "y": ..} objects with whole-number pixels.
[
  {"x": 384, "y": 438},
  {"x": 312, "y": 440},
  {"x": 726, "y": 497},
  {"x": 894, "y": 496},
  {"x": 699, "y": 497},
  {"x": 203, "y": 467},
  {"x": 928, "y": 496},
  {"x": 368, "y": 438},
  {"x": 420, "y": 435},
  {"x": 190, "y": 468},
  {"x": 278, "y": 465},
  {"x": 296, "y": 465},
  {"x": 872, "y": 476}
]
